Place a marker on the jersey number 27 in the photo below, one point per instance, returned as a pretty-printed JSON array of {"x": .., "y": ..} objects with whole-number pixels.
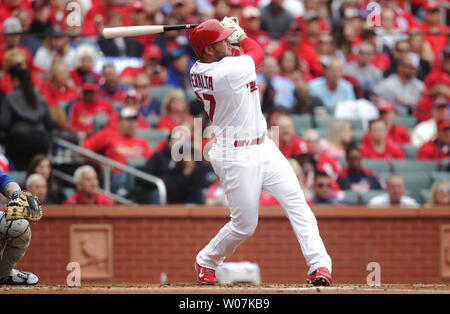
[{"x": 212, "y": 103}]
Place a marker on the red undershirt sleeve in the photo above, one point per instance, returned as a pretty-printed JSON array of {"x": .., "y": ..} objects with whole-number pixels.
[{"x": 254, "y": 50}]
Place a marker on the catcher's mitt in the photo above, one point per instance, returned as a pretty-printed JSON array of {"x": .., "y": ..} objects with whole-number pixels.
[{"x": 24, "y": 206}]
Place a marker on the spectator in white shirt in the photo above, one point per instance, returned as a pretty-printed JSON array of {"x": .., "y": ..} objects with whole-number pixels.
[
  {"x": 426, "y": 131},
  {"x": 394, "y": 196}
]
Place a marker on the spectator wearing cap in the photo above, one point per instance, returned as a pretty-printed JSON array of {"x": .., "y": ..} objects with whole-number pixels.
[
  {"x": 55, "y": 46},
  {"x": 120, "y": 144},
  {"x": 111, "y": 90},
  {"x": 354, "y": 176},
  {"x": 378, "y": 147},
  {"x": 362, "y": 70},
  {"x": 98, "y": 13},
  {"x": 12, "y": 30},
  {"x": 394, "y": 196},
  {"x": 152, "y": 57},
  {"x": 87, "y": 189},
  {"x": 275, "y": 20},
  {"x": 59, "y": 87},
  {"x": 178, "y": 71},
  {"x": 438, "y": 149},
  {"x": 83, "y": 62},
  {"x": 149, "y": 106},
  {"x": 81, "y": 113},
  {"x": 175, "y": 110},
  {"x": 131, "y": 99},
  {"x": 312, "y": 14},
  {"x": 332, "y": 88},
  {"x": 120, "y": 46},
  {"x": 41, "y": 18},
  {"x": 435, "y": 32},
  {"x": 396, "y": 133},
  {"x": 251, "y": 23},
  {"x": 402, "y": 88},
  {"x": 426, "y": 131}
]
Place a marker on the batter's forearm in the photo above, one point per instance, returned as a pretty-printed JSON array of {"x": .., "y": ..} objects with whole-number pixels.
[{"x": 252, "y": 48}]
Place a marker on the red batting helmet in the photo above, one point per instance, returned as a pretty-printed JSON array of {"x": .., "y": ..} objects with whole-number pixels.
[{"x": 207, "y": 33}]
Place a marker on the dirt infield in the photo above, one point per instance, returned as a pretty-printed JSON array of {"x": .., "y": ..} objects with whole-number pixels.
[{"x": 128, "y": 288}]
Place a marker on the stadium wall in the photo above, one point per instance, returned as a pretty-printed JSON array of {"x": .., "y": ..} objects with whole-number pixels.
[{"x": 135, "y": 244}]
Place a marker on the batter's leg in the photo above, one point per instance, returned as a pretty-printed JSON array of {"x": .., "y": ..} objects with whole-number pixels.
[
  {"x": 242, "y": 182},
  {"x": 281, "y": 182}
]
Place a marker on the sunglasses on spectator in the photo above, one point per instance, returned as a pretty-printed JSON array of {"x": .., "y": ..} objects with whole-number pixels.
[{"x": 443, "y": 189}]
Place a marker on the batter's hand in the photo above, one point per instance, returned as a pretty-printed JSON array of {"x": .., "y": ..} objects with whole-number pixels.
[{"x": 238, "y": 31}]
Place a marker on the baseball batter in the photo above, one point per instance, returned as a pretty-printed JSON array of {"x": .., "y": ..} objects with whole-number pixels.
[
  {"x": 15, "y": 236},
  {"x": 244, "y": 158}
]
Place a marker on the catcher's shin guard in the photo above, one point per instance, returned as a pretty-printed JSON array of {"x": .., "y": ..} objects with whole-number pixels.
[{"x": 15, "y": 236}]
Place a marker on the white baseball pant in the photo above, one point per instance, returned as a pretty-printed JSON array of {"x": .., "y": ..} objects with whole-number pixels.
[{"x": 244, "y": 171}]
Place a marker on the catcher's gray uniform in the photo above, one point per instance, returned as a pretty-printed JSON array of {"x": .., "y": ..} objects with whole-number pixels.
[{"x": 15, "y": 236}]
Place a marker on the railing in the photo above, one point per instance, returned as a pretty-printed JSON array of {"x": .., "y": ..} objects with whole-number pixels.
[{"x": 107, "y": 165}]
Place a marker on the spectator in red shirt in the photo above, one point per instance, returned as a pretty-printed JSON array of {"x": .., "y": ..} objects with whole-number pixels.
[
  {"x": 86, "y": 183},
  {"x": 440, "y": 148},
  {"x": 81, "y": 115},
  {"x": 110, "y": 89},
  {"x": 7, "y": 7},
  {"x": 175, "y": 110},
  {"x": 119, "y": 145},
  {"x": 378, "y": 147},
  {"x": 251, "y": 23},
  {"x": 396, "y": 133},
  {"x": 83, "y": 62},
  {"x": 289, "y": 144},
  {"x": 131, "y": 99},
  {"x": 11, "y": 38},
  {"x": 441, "y": 73},
  {"x": 152, "y": 67},
  {"x": 435, "y": 33},
  {"x": 59, "y": 88}
]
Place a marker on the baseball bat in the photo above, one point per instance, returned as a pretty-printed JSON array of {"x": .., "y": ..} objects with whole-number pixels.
[{"x": 132, "y": 31}]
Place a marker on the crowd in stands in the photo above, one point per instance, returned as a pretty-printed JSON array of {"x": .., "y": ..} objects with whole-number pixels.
[{"x": 358, "y": 102}]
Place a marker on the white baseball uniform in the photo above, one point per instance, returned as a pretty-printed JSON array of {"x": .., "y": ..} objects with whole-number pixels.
[{"x": 228, "y": 91}]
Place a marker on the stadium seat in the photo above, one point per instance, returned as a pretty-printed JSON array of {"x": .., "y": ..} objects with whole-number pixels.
[
  {"x": 160, "y": 92},
  {"x": 137, "y": 163},
  {"x": 302, "y": 122},
  {"x": 416, "y": 182},
  {"x": 366, "y": 196},
  {"x": 100, "y": 121},
  {"x": 409, "y": 122},
  {"x": 152, "y": 120},
  {"x": 358, "y": 135},
  {"x": 117, "y": 105},
  {"x": 68, "y": 191},
  {"x": 412, "y": 165},
  {"x": 351, "y": 197},
  {"x": 153, "y": 136},
  {"x": 19, "y": 176},
  {"x": 357, "y": 124},
  {"x": 425, "y": 196},
  {"x": 440, "y": 175},
  {"x": 323, "y": 122},
  {"x": 133, "y": 188},
  {"x": 410, "y": 151},
  {"x": 377, "y": 165}
]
